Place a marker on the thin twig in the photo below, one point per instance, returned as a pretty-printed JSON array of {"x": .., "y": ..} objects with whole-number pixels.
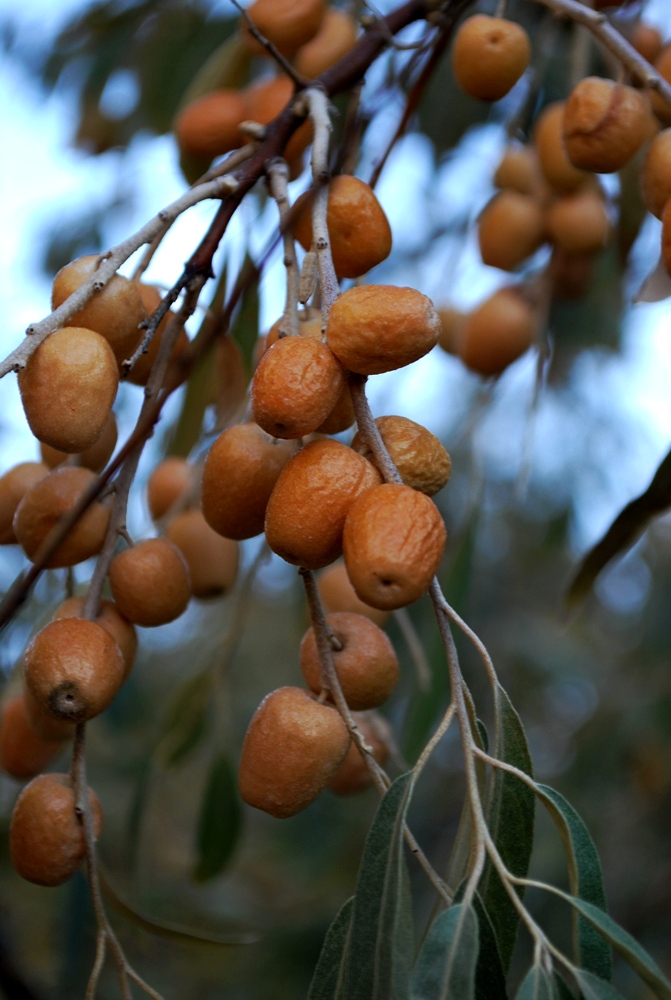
[
  {"x": 271, "y": 49},
  {"x": 415, "y": 648},
  {"x": 318, "y": 106},
  {"x": 278, "y": 176}
]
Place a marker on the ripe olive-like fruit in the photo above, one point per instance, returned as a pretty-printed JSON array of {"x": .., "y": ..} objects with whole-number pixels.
[
  {"x": 169, "y": 482},
  {"x": 115, "y": 312},
  {"x": 110, "y": 618},
  {"x": 239, "y": 475},
  {"x": 335, "y": 38},
  {"x": 68, "y": 387},
  {"x": 393, "y": 541},
  {"x": 150, "y": 582},
  {"x": 309, "y": 326},
  {"x": 359, "y": 233},
  {"x": 548, "y": 137},
  {"x": 498, "y": 332},
  {"x": 96, "y": 457},
  {"x": 519, "y": 170},
  {"x": 14, "y": 485},
  {"x": 341, "y": 416},
  {"x": 489, "y": 56},
  {"x": 307, "y": 508},
  {"x": 451, "y": 322},
  {"x": 212, "y": 559},
  {"x": 210, "y": 125},
  {"x": 379, "y": 328},
  {"x": 288, "y": 24},
  {"x": 292, "y": 749},
  {"x": 46, "y": 838},
  {"x": 659, "y": 105},
  {"x": 420, "y": 458},
  {"x": 338, "y": 594},
  {"x": 510, "y": 229},
  {"x": 73, "y": 669},
  {"x": 23, "y": 753},
  {"x": 265, "y": 100},
  {"x": 656, "y": 173},
  {"x": 366, "y": 663},
  {"x": 141, "y": 370},
  {"x": 604, "y": 124},
  {"x": 647, "y": 41},
  {"x": 46, "y": 503},
  {"x": 353, "y": 774},
  {"x": 46, "y": 726},
  {"x": 296, "y": 385},
  {"x": 579, "y": 223}
]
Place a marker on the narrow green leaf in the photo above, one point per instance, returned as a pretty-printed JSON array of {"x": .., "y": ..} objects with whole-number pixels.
[
  {"x": 490, "y": 980},
  {"x": 625, "y": 944},
  {"x": 510, "y": 817},
  {"x": 623, "y": 532},
  {"x": 592, "y": 952},
  {"x": 446, "y": 964},
  {"x": 219, "y": 822},
  {"x": 593, "y": 988},
  {"x": 186, "y": 719},
  {"x": 461, "y": 850},
  {"x": 328, "y": 976},
  {"x": 536, "y": 985},
  {"x": 380, "y": 953},
  {"x": 561, "y": 988}
]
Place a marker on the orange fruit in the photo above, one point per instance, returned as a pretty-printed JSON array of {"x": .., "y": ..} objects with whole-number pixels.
[
  {"x": 548, "y": 137},
  {"x": 141, "y": 370},
  {"x": 663, "y": 66},
  {"x": 169, "y": 482},
  {"x": 75, "y": 366},
  {"x": 111, "y": 620},
  {"x": 292, "y": 749},
  {"x": 604, "y": 124},
  {"x": 14, "y": 484},
  {"x": 420, "y": 458},
  {"x": 210, "y": 125},
  {"x": 578, "y": 223},
  {"x": 212, "y": 559},
  {"x": 393, "y": 541},
  {"x": 489, "y": 55},
  {"x": 656, "y": 173},
  {"x": 94, "y": 458},
  {"x": 265, "y": 100},
  {"x": 150, "y": 582},
  {"x": 73, "y": 669},
  {"x": 519, "y": 170},
  {"x": 353, "y": 774},
  {"x": 497, "y": 332},
  {"x": 359, "y": 233},
  {"x": 366, "y": 663},
  {"x": 510, "y": 229},
  {"x": 46, "y": 503},
  {"x": 335, "y": 38},
  {"x": 288, "y": 24},
  {"x": 23, "y": 753},
  {"x": 379, "y": 328},
  {"x": 647, "y": 40},
  {"x": 307, "y": 508},
  {"x": 46, "y": 837},
  {"x": 338, "y": 594}
]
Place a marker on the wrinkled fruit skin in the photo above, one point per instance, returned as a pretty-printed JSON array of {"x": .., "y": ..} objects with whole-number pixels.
[
  {"x": 292, "y": 749},
  {"x": 307, "y": 509},
  {"x": 379, "y": 328},
  {"x": 421, "y": 460},
  {"x": 150, "y": 582},
  {"x": 46, "y": 840},
  {"x": 604, "y": 124},
  {"x": 393, "y": 541}
]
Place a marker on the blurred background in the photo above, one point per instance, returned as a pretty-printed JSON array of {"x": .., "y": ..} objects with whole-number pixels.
[{"x": 89, "y": 92}]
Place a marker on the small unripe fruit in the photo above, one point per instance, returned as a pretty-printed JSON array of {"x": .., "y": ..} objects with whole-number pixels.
[
  {"x": 393, "y": 542},
  {"x": 73, "y": 669},
  {"x": 359, "y": 233},
  {"x": 295, "y": 387},
  {"x": 46, "y": 503},
  {"x": 288, "y": 24},
  {"x": 338, "y": 594},
  {"x": 604, "y": 124},
  {"x": 555, "y": 165},
  {"x": 68, "y": 387},
  {"x": 150, "y": 582},
  {"x": 292, "y": 749},
  {"x": 379, "y": 328},
  {"x": 212, "y": 559},
  {"x": 498, "y": 332},
  {"x": 510, "y": 229},
  {"x": 265, "y": 100},
  {"x": 489, "y": 56},
  {"x": 210, "y": 125},
  {"x": 115, "y": 312},
  {"x": 420, "y": 458},
  {"x": 23, "y": 753},
  {"x": 46, "y": 838},
  {"x": 578, "y": 223},
  {"x": 94, "y": 458},
  {"x": 111, "y": 620},
  {"x": 366, "y": 663},
  {"x": 335, "y": 38},
  {"x": 239, "y": 475},
  {"x": 656, "y": 173},
  {"x": 660, "y": 106},
  {"x": 141, "y": 370},
  {"x": 353, "y": 774},
  {"x": 307, "y": 509},
  {"x": 451, "y": 322},
  {"x": 519, "y": 170},
  {"x": 14, "y": 485},
  {"x": 169, "y": 482}
]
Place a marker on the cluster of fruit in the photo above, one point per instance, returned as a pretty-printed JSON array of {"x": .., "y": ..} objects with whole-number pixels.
[
  {"x": 548, "y": 193},
  {"x": 311, "y": 34}
]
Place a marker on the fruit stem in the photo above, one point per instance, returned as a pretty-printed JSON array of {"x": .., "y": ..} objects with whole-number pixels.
[
  {"x": 278, "y": 175},
  {"x": 318, "y": 111}
]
